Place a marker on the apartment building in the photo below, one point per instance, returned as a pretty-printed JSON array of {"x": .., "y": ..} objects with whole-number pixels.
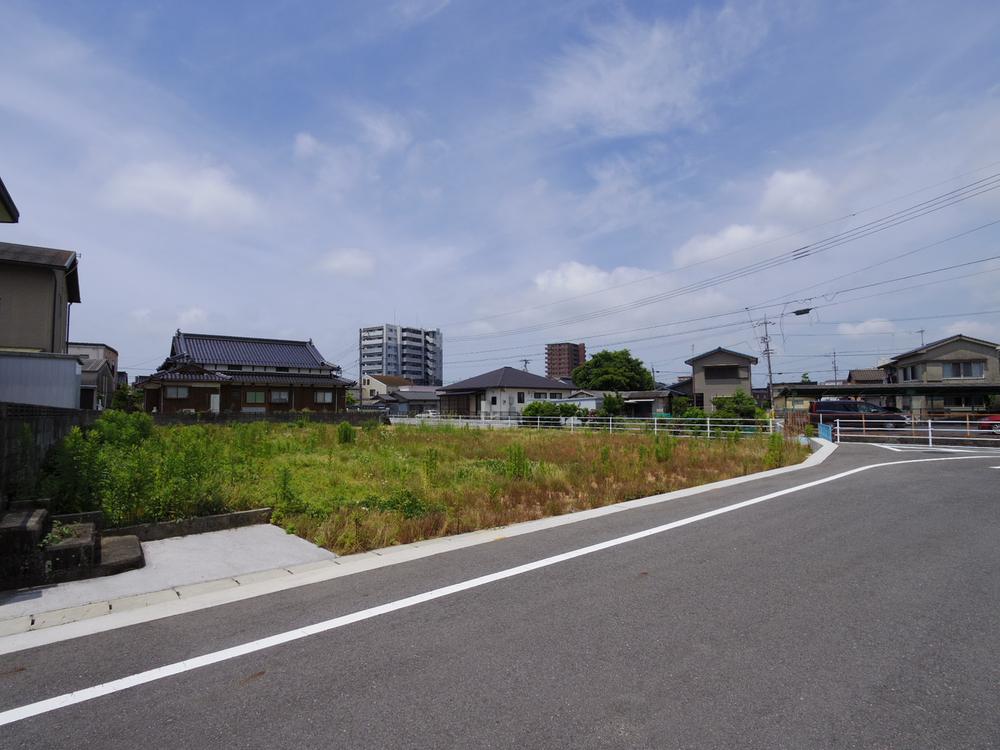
[
  {"x": 562, "y": 358},
  {"x": 416, "y": 354}
]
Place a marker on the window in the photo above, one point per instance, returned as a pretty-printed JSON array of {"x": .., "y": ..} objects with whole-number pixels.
[
  {"x": 954, "y": 370},
  {"x": 254, "y": 397},
  {"x": 281, "y": 369},
  {"x": 279, "y": 397},
  {"x": 724, "y": 372},
  {"x": 235, "y": 367},
  {"x": 176, "y": 391},
  {"x": 520, "y": 397},
  {"x": 323, "y": 397},
  {"x": 538, "y": 395},
  {"x": 699, "y": 400},
  {"x": 371, "y": 393},
  {"x": 909, "y": 373},
  {"x": 555, "y": 395},
  {"x": 493, "y": 400}
]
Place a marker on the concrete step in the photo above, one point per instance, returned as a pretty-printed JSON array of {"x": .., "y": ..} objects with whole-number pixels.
[
  {"x": 120, "y": 553},
  {"x": 21, "y": 531}
]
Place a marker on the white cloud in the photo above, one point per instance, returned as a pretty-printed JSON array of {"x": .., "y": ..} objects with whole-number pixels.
[
  {"x": 800, "y": 195},
  {"x": 976, "y": 328},
  {"x": 867, "y": 327},
  {"x": 417, "y": 11},
  {"x": 198, "y": 193},
  {"x": 577, "y": 278},
  {"x": 383, "y": 132},
  {"x": 191, "y": 316},
  {"x": 350, "y": 261},
  {"x": 635, "y": 78},
  {"x": 732, "y": 239}
]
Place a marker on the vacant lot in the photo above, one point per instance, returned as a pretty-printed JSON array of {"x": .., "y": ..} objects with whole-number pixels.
[{"x": 352, "y": 490}]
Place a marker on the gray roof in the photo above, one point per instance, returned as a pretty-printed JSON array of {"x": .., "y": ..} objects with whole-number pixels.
[
  {"x": 239, "y": 350},
  {"x": 47, "y": 257},
  {"x": 8, "y": 211},
  {"x": 934, "y": 344},
  {"x": 415, "y": 395},
  {"x": 718, "y": 350},
  {"x": 507, "y": 377},
  {"x": 867, "y": 375}
]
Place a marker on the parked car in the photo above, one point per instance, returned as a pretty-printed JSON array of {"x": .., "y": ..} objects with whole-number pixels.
[
  {"x": 990, "y": 422},
  {"x": 856, "y": 413}
]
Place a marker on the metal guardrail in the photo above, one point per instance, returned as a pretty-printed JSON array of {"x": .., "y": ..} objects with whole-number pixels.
[
  {"x": 930, "y": 432},
  {"x": 709, "y": 427}
]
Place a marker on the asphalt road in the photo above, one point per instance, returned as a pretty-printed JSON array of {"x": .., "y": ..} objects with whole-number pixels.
[{"x": 860, "y": 612}]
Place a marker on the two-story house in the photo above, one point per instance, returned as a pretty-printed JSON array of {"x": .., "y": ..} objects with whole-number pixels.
[
  {"x": 37, "y": 287},
  {"x": 952, "y": 365},
  {"x": 720, "y": 372},
  {"x": 209, "y": 373}
]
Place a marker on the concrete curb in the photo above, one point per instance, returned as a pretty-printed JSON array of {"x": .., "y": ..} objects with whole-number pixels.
[{"x": 23, "y": 632}]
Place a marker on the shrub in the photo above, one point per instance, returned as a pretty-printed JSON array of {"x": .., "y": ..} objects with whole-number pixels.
[
  {"x": 346, "y": 434},
  {"x": 738, "y": 406},
  {"x": 122, "y": 428},
  {"x": 541, "y": 409}
]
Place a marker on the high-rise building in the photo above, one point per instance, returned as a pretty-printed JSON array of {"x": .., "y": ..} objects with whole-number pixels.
[
  {"x": 412, "y": 353},
  {"x": 562, "y": 359}
]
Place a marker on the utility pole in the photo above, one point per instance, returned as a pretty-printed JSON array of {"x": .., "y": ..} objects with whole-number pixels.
[
  {"x": 525, "y": 363},
  {"x": 835, "y": 379},
  {"x": 766, "y": 341},
  {"x": 360, "y": 371},
  {"x": 921, "y": 332}
]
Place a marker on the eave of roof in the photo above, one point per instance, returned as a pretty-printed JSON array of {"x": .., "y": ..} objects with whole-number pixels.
[
  {"x": 721, "y": 350},
  {"x": 8, "y": 211}
]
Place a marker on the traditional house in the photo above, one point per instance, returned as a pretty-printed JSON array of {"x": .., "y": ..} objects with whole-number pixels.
[
  {"x": 502, "y": 392},
  {"x": 720, "y": 372},
  {"x": 207, "y": 373}
]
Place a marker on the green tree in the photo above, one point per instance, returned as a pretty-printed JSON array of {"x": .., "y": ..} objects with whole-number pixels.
[
  {"x": 614, "y": 371},
  {"x": 805, "y": 378},
  {"x": 738, "y": 406},
  {"x": 679, "y": 405},
  {"x": 613, "y": 406},
  {"x": 127, "y": 399}
]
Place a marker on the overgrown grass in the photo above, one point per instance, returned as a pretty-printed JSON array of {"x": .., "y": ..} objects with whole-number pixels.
[{"x": 382, "y": 485}]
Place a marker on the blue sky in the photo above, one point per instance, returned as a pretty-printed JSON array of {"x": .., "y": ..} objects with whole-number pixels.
[{"x": 298, "y": 170}]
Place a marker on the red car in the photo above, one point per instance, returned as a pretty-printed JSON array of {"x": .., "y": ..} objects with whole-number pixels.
[{"x": 990, "y": 422}]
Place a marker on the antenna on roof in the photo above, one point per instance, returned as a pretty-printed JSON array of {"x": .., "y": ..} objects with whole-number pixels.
[{"x": 525, "y": 363}]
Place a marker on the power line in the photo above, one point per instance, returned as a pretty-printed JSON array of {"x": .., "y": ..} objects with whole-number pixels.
[
  {"x": 911, "y": 213},
  {"x": 649, "y": 277}
]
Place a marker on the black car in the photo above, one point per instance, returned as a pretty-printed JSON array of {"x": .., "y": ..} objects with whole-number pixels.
[{"x": 856, "y": 414}]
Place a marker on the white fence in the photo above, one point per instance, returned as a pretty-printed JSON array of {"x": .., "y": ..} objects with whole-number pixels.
[
  {"x": 967, "y": 431},
  {"x": 708, "y": 427}
]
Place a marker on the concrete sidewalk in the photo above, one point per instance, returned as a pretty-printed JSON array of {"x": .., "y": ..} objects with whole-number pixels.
[{"x": 173, "y": 566}]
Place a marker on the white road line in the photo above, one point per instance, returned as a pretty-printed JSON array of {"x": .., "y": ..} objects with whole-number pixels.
[{"x": 115, "y": 686}]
